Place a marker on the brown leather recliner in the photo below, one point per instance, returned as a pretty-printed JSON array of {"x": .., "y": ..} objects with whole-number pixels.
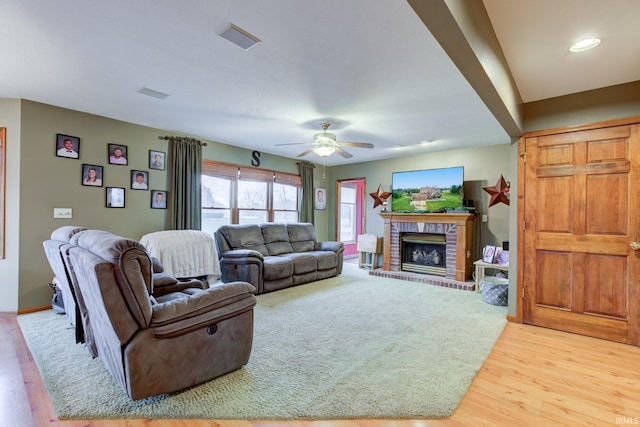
[
  {"x": 153, "y": 347},
  {"x": 164, "y": 287}
]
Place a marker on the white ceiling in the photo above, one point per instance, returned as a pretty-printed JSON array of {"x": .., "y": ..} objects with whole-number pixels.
[
  {"x": 369, "y": 66},
  {"x": 535, "y": 36}
]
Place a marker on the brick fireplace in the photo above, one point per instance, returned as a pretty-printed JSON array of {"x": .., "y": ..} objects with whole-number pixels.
[
  {"x": 424, "y": 253},
  {"x": 457, "y": 232}
]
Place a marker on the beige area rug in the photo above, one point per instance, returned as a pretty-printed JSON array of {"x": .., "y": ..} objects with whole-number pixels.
[{"x": 354, "y": 346}]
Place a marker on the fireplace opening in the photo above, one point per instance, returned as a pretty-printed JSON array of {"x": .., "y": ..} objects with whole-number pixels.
[{"x": 424, "y": 253}]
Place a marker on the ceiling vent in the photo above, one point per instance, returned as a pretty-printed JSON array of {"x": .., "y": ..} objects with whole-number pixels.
[{"x": 240, "y": 37}]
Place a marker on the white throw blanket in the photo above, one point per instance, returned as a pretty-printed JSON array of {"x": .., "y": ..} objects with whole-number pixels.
[{"x": 184, "y": 253}]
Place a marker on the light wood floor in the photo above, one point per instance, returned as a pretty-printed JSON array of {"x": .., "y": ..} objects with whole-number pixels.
[{"x": 533, "y": 377}]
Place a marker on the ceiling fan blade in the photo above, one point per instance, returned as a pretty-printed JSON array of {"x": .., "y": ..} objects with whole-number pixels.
[
  {"x": 356, "y": 144},
  {"x": 304, "y": 153},
  {"x": 343, "y": 153},
  {"x": 295, "y": 143}
]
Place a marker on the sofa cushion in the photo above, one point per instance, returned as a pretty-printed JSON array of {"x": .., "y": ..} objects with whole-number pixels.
[
  {"x": 326, "y": 260},
  {"x": 303, "y": 262},
  {"x": 302, "y": 236},
  {"x": 276, "y": 267},
  {"x": 276, "y": 239},
  {"x": 247, "y": 236}
]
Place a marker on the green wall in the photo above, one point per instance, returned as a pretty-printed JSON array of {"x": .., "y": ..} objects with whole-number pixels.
[
  {"x": 608, "y": 103},
  {"x": 482, "y": 168},
  {"x": 48, "y": 182}
]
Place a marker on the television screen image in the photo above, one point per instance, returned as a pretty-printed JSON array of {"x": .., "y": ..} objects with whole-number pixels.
[{"x": 429, "y": 190}]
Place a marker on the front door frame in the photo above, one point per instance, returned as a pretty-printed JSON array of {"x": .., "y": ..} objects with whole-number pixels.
[{"x": 360, "y": 183}]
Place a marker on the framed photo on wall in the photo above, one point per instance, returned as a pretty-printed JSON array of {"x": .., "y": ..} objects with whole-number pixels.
[
  {"x": 320, "y": 198},
  {"x": 115, "y": 197},
  {"x": 158, "y": 199},
  {"x": 156, "y": 159},
  {"x": 67, "y": 146},
  {"x": 139, "y": 180},
  {"x": 117, "y": 154},
  {"x": 92, "y": 175}
]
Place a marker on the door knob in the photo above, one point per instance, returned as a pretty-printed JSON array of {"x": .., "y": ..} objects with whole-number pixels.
[{"x": 635, "y": 246}]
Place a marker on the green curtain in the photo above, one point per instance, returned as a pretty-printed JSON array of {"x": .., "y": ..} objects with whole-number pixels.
[
  {"x": 306, "y": 202},
  {"x": 185, "y": 171}
]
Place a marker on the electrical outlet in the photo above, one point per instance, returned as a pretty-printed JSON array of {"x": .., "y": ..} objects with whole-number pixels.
[
  {"x": 484, "y": 218},
  {"x": 62, "y": 212}
]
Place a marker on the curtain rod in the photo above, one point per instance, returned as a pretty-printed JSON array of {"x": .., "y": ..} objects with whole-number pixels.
[
  {"x": 306, "y": 163},
  {"x": 182, "y": 139}
]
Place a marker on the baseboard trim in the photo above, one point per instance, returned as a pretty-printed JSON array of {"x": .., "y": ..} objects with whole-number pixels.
[{"x": 34, "y": 309}]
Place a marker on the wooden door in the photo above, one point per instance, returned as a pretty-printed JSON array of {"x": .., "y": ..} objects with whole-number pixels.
[{"x": 581, "y": 196}]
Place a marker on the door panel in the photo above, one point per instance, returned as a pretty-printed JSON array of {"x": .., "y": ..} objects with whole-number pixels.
[
  {"x": 579, "y": 273},
  {"x": 605, "y": 291},
  {"x": 552, "y": 286},
  {"x": 558, "y": 202}
]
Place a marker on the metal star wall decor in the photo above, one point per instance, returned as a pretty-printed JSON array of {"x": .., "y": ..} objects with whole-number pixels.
[
  {"x": 380, "y": 196},
  {"x": 498, "y": 192}
]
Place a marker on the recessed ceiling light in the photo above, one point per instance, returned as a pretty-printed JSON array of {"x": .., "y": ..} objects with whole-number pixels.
[
  {"x": 585, "y": 44},
  {"x": 152, "y": 93},
  {"x": 239, "y": 37}
]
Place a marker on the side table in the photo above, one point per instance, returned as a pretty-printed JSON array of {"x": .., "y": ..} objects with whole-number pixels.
[{"x": 481, "y": 265}]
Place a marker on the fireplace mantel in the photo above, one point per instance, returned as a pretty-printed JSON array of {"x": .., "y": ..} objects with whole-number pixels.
[{"x": 464, "y": 237}]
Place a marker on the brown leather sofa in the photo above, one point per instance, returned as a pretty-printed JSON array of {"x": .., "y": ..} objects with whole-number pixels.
[
  {"x": 274, "y": 256},
  {"x": 157, "y": 345}
]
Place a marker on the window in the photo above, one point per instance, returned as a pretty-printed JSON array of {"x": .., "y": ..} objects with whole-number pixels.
[
  {"x": 216, "y": 202},
  {"x": 233, "y": 194},
  {"x": 285, "y": 202},
  {"x": 348, "y": 195}
]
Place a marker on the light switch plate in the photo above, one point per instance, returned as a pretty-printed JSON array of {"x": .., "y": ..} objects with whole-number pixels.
[
  {"x": 62, "y": 212},
  {"x": 484, "y": 218}
]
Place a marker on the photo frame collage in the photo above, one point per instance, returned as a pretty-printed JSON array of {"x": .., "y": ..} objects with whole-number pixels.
[
  {"x": 495, "y": 255},
  {"x": 92, "y": 175}
]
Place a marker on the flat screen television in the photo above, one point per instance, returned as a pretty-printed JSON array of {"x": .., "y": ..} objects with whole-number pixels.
[{"x": 429, "y": 190}]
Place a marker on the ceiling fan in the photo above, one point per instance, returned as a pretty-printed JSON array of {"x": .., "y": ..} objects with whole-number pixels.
[{"x": 324, "y": 144}]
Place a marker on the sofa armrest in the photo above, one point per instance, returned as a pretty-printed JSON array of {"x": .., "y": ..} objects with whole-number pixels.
[
  {"x": 241, "y": 255},
  {"x": 163, "y": 285},
  {"x": 330, "y": 246},
  {"x": 206, "y": 307},
  {"x": 243, "y": 265}
]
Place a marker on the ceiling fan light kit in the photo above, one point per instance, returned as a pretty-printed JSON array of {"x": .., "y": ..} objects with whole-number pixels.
[
  {"x": 325, "y": 144},
  {"x": 324, "y": 150}
]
